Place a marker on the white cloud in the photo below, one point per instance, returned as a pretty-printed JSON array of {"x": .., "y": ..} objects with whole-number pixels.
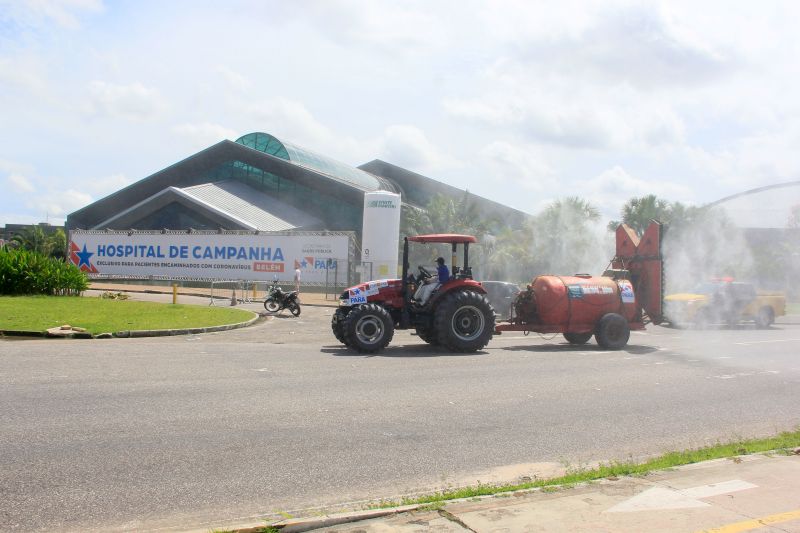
[
  {"x": 409, "y": 147},
  {"x": 612, "y": 188},
  {"x": 290, "y": 119},
  {"x": 65, "y": 13},
  {"x": 25, "y": 73},
  {"x": 20, "y": 183},
  {"x": 396, "y": 28},
  {"x": 235, "y": 80},
  {"x": 523, "y": 165},
  {"x": 205, "y": 134},
  {"x": 133, "y": 102},
  {"x": 106, "y": 185},
  {"x": 58, "y": 203},
  {"x": 755, "y": 160}
]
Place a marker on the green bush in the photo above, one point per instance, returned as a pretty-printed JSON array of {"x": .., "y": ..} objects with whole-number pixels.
[{"x": 26, "y": 272}]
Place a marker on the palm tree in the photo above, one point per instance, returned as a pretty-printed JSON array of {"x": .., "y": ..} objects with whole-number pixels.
[
  {"x": 638, "y": 212},
  {"x": 36, "y": 240}
]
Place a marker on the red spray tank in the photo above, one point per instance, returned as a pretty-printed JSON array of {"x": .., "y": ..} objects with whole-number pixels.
[{"x": 606, "y": 306}]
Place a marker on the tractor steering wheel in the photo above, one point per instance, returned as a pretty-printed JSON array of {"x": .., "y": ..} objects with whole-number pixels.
[{"x": 424, "y": 274}]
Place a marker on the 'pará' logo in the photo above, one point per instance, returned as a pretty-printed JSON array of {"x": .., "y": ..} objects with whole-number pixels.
[
  {"x": 80, "y": 258},
  {"x": 387, "y": 204}
]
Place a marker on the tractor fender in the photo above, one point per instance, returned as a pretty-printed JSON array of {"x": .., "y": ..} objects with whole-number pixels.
[{"x": 456, "y": 285}]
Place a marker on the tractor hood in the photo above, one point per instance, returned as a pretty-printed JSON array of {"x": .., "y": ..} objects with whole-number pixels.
[{"x": 382, "y": 289}]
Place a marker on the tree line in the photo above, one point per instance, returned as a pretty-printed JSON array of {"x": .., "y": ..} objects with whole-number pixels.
[{"x": 568, "y": 237}]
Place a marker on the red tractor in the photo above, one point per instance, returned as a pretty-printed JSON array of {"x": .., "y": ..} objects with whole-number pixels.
[
  {"x": 624, "y": 298},
  {"x": 457, "y": 316}
]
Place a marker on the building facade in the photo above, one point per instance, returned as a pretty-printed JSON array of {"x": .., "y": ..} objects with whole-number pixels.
[{"x": 262, "y": 183}]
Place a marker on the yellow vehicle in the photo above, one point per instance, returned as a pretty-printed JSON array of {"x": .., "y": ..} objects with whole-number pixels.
[{"x": 724, "y": 301}]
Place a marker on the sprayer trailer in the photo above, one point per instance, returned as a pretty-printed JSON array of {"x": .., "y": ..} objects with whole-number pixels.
[
  {"x": 608, "y": 307},
  {"x": 457, "y": 315}
]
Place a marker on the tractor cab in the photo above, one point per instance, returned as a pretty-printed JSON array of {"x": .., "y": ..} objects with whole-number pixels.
[{"x": 457, "y": 273}]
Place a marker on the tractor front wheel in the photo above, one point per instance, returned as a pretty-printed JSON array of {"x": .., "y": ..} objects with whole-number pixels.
[
  {"x": 612, "y": 332},
  {"x": 578, "y": 338},
  {"x": 337, "y": 325},
  {"x": 368, "y": 328},
  {"x": 464, "y": 321}
]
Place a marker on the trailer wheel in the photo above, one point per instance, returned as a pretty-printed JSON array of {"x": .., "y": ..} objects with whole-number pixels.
[
  {"x": 765, "y": 317},
  {"x": 464, "y": 321},
  {"x": 612, "y": 332},
  {"x": 578, "y": 338},
  {"x": 337, "y": 325},
  {"x": 368, "y": 328}
]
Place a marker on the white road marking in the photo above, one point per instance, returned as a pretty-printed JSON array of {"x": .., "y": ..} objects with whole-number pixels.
[
  {"x": 716, "y": 489},
  {"x": 764, "y": 342},
  {"x": 658, "y": 498}
]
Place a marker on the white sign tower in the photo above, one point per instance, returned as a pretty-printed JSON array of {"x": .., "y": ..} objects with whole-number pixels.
[{"x": 380, "y": 235}]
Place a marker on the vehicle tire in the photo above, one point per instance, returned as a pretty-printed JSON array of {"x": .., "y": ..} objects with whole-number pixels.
[
  {"x": 271, "y": 305},
  {"x": 612, "y": 332},
  {"x": 464, "y": 321},
  {"x": 428, "y": 335},
  {"x": 337, "y": 325},
  {"x": 578, "y": 338},
  {"x": 294, "y": 308},
  {"x": 765, "y": 317},
  {"x": 368, "y": 328}
]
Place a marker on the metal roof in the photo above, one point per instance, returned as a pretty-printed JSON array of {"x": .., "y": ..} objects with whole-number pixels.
[
  {"x": 256, "y": 209},
  {"x": 264, "y": 142}
]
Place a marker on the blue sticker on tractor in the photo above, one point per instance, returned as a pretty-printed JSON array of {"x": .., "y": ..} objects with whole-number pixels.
[{"x": 574, "y": 291}]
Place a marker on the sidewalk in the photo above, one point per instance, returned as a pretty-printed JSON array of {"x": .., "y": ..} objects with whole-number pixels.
[{"x": 747, "y": 493}]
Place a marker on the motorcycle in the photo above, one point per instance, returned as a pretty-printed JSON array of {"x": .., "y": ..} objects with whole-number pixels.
[{"x": 277, "y": 300}]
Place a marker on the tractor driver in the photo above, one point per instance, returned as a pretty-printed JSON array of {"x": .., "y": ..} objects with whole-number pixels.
[{"x": 426, "y": 289}]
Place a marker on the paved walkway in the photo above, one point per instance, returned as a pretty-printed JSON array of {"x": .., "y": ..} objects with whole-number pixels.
[{"x": 748, "y": 493}]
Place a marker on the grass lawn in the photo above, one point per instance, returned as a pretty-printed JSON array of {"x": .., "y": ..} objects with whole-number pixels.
[{"x": 38, "y": 313}]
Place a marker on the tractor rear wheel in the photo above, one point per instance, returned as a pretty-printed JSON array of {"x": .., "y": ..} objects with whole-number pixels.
[
  {"x": 612, "y": 332},
  {"x": 368, "y": 328},
  {"x": 578, "y": 338},
  {"x": 464, "y": 321},
  {"x": 337, "y": 325}
]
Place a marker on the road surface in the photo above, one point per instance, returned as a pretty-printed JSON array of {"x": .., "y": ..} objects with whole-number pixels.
[{"x": 227, "y": 427}]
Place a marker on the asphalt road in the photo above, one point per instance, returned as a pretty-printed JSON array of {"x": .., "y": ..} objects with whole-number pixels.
[{"x": 184, "y": 432}]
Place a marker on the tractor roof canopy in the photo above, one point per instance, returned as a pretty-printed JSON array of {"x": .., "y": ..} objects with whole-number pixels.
[{"x": 444, "y": 238}]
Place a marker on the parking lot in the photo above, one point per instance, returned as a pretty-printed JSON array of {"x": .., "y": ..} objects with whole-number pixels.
[{"x": 275, "y": 418}]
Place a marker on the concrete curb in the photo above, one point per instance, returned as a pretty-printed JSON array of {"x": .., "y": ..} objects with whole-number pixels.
[
  {"x": 135, "y": 333},
  {"x": 185, "y": 331},
  {"x": 298, "y": 525}
]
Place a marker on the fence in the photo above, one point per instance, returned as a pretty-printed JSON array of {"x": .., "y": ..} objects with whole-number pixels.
[{"x": 336, "y": 279}]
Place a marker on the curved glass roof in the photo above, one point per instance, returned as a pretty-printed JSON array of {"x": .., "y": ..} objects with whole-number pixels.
[{"x": 264, "y": 142}]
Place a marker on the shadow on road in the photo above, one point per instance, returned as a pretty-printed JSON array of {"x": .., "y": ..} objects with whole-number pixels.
[
  {"x": 413, "y": 350},
  {"x": 631, "y": 348}
]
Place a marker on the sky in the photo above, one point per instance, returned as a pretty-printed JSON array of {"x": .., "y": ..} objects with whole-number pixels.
[{"x": 522, "y": 102}]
